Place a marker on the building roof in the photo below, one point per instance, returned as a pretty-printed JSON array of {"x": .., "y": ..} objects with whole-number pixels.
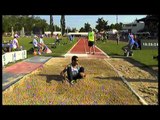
[{"x": 149, "y": 18}]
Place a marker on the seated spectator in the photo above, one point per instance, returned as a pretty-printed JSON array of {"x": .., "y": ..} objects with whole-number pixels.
[
  {"x": 42, "y": 44},
  {"x": 5, "y": 47},
  {"x": 36, "y": 45},
  {"x": 14, "y": 45}
]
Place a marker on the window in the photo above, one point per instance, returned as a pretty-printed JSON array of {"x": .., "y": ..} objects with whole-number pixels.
[{"x": 134, "y": 25}]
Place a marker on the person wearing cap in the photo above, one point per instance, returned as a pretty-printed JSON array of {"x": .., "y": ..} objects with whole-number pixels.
[
  {"x": 41, "y": 42},
  {"x": 36, "y": 44},
  {"x": 14, "y": 44}
]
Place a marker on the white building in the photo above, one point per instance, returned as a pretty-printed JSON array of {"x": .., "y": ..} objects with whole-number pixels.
[
  {"x": 113, "y": 31},
  {"x": 134, "y": 27},
  {"x": 54, "y": 33},
  {"x": 78, "y": 33}
]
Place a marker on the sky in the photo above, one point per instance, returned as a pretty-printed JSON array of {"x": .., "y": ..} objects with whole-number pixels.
[{"x": 78, "y": 21}]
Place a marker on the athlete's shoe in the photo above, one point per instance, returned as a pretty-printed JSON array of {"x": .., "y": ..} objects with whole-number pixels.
[{"x": 73, "y": 81}]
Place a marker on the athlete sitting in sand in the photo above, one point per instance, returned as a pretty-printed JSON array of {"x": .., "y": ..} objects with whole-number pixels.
[{"x": 74, "y": 71}]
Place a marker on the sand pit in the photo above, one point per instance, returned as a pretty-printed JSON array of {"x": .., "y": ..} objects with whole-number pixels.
[
  {"x": 102, "y": 86},
  {"x": 143, "y": 80}
]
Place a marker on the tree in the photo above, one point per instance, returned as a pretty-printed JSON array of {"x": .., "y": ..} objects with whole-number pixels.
[
  {"x": 117, "y": 26},
  {"x": 87, "y": 27},
  {"x": 82, "y": 29},
  {"x": 101, "y": 24},
  {"x": 27, "y": 21},
  {"x": 63, "y": 24},
  {"x": 152, "y": 23},
  {"x": 51, "y": 24},
  {"x": 57, "y": 28},
  {"x": 73, "y": 30}
]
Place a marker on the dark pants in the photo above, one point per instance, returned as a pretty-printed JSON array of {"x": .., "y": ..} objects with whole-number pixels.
[
  {"x": 128, "y": 49},
  {"x": 90, "y": 43},
  {"x": 70, "y": 76},
  {"x": 57, "y": 41}
]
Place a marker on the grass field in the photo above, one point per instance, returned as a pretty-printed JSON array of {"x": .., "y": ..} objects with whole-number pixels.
[
  {"x": 143, "y": 56},
  {"x": 58, "y": 51},
  {"x": 110, "y": 47}
]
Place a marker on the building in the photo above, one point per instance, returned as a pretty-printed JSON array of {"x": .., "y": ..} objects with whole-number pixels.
[
  {"x": 134, "y": 27},
  {"x": 151, "y": 24},
  {"x": 48, "y": 33},
  {"x": 78, "y": 33},
  {"x": 113, "y": 31}
]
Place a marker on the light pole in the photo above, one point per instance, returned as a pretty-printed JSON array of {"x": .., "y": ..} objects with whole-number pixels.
[
  {"x": 67, "y": 30},
  {"x": 55, "y": 28},
  {"x": 12, "y": 31},
  {"x": 117, "y": 19}
]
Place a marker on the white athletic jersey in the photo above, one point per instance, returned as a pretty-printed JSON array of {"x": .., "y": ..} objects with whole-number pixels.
[
  {"x": 41, "y": 41},
  {"x": 35, "y": 43},
  {"x": 74, "y": 71},
  {"x": 14, "y": 43},
  {"x": 57, "y": 37}
]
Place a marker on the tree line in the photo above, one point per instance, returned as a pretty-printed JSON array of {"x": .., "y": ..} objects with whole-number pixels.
[{"x": 33, "y": 24}]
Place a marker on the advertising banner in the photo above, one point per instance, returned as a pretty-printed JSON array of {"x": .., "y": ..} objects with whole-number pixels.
[{"x": 13, "y": 56}]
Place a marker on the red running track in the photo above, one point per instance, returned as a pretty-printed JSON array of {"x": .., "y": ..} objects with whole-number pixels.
[
  {"x": 82, "y": 47},
  {"x": 22, "y": 67}
]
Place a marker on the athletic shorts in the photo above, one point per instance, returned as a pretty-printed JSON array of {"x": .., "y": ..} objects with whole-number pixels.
[{"x": 90, "y": 43}]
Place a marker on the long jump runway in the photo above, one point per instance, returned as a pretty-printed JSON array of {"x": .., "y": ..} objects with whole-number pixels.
[
  {"x": 81, "y": 49},
  {"x": 15, "y": 72}
]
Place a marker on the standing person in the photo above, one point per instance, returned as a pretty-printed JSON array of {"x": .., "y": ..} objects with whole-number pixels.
[
  {"x": 128, "y": 48},
  {"x": 57, "y": 39},
  {"x": 14, "y": 45},
  {"x": 70, "y": 38},
  {"x": 91, "y": 41},
  {"x": 136, "y": 45},
  {"x": 74, "y": 71},
  {"x": 118, "y": 38}
]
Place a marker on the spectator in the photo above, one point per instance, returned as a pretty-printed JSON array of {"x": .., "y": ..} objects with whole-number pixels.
[
  {"x": 57, "y": 39},
  {"x": 42, "y": 44},
  {"x": 70, "y": 38},
  {"x": 14, "y": 45},
  {"x": 118, "y": 38},
  {"x": 36, "y": 45}
]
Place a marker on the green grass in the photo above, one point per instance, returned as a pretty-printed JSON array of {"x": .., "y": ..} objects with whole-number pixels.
[
  {"x": 143, "y": 56},
  {"x": 59, "y": 51},
  {"x": 56, "y": 52},
  {"x": 110, "y": 47}
]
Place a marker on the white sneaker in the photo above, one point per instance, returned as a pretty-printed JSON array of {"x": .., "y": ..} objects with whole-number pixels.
[{"x": 127, "y": 54}]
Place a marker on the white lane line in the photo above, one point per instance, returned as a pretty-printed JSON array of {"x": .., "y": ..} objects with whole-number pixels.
[
  {"x": 80, "y": 55},
  {"x": 125, "y": 81},
  {"x": 73, "y": 46},
  {"x": 102, "y": 52},
  {"x": 85, "y": 45}
]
